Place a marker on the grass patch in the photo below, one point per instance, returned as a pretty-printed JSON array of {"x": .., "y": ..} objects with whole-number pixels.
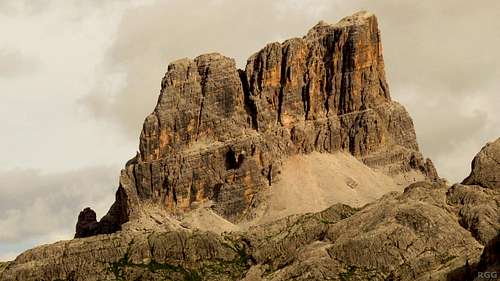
[
  {"x": 345, "y": 276},
  {"x": 212, "y": 269},
  {"x": 326, "y": 222},
  {"x": 448, "y": 259},
  {"x": 118, "y": 269},
  {"x": 3, "y": 266}
]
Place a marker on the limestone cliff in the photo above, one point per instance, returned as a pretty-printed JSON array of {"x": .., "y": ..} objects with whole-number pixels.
[{"x": 219, "y": 134}]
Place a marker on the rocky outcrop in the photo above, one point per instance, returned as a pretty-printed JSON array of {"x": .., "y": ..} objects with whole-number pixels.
[
  {"x": 477, "y": 199},
  {"x": 486, "y": 167},
  {"x": 220, "y": 135},
  {"x": 476, "y": 203},
  {"x": 478, "y": 210},
  {"x": 87, "y": 224}
]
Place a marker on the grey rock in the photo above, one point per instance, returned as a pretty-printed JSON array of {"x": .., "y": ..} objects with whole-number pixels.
[{"x": 486, "y": 167}]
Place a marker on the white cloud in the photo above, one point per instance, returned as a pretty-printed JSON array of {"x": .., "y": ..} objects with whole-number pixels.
[
  {"x": 67, "y": 40},
  {"x": 14, "y": 64}
]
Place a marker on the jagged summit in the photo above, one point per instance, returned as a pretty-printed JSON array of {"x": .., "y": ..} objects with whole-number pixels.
[{"x": 358, "y": 19}]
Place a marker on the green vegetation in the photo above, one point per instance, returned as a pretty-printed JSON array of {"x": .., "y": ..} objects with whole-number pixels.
[
  {"x": 3, "y": 266},
  {"x": 344, "y": 276},
  {"x": 244, "y": 258},
  {"x": 119, "y": 268},
  {"x": 448, "y": 259},
  {"x": 326, "y": 222},
  {"x": 212, "y": 269},
  {"x": 228, "y": 269},
  {"x": 70, "y": 277}
]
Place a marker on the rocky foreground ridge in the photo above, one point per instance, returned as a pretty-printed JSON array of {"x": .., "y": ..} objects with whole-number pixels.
[{"x": 221, "y": 141}]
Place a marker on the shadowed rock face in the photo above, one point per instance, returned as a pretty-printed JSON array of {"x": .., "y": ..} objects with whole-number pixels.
[
  {"x": 220, "y": 134},
  {"x": 87, "y": 224},
  {"x": 490, "y": 259}
]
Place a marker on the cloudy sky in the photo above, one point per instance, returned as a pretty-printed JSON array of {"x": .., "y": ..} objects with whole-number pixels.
[{"x": 77, "y": 79}]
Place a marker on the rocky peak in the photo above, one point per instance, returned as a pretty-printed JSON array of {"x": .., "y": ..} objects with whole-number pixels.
[
  {"x": 486, "y": 167},
  {"x": 87, "y": 223},
  {"x": 220, "y": 135},
  {"x": 200, "y": 99},
  {"x": 333, "y": 70}
]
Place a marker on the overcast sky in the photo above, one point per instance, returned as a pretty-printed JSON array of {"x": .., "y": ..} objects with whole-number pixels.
[{"x": 77, "y": 79}]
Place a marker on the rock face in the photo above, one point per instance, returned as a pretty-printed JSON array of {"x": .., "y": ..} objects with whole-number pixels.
[
  {"x": 477, "y": 204},
  {"x": 87, "y": 223},
  {"x": 486, "y": 167},
  {"x": 477, "y": 199},
  {"x": 220, "y": 134},
  {"x": 478, "y": 210}
]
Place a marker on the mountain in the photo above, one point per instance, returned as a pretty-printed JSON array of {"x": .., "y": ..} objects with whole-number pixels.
[
  {"x": 223, "y": 135},
  {"x": 300, "y": 167}
]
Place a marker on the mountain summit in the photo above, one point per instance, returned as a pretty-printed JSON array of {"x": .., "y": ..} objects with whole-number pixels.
[{"x": 299, "y": 167}]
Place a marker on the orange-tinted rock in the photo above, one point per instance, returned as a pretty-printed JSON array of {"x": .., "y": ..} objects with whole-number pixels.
[
  {"x": 333, "y": 70},
  {"x": 201, "y": 99}
]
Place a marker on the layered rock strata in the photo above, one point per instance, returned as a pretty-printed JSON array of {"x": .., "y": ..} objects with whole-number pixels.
[{"x": 220, "y": 134}]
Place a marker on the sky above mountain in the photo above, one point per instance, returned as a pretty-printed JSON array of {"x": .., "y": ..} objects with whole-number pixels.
[{"x": 77, "y": 79}]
